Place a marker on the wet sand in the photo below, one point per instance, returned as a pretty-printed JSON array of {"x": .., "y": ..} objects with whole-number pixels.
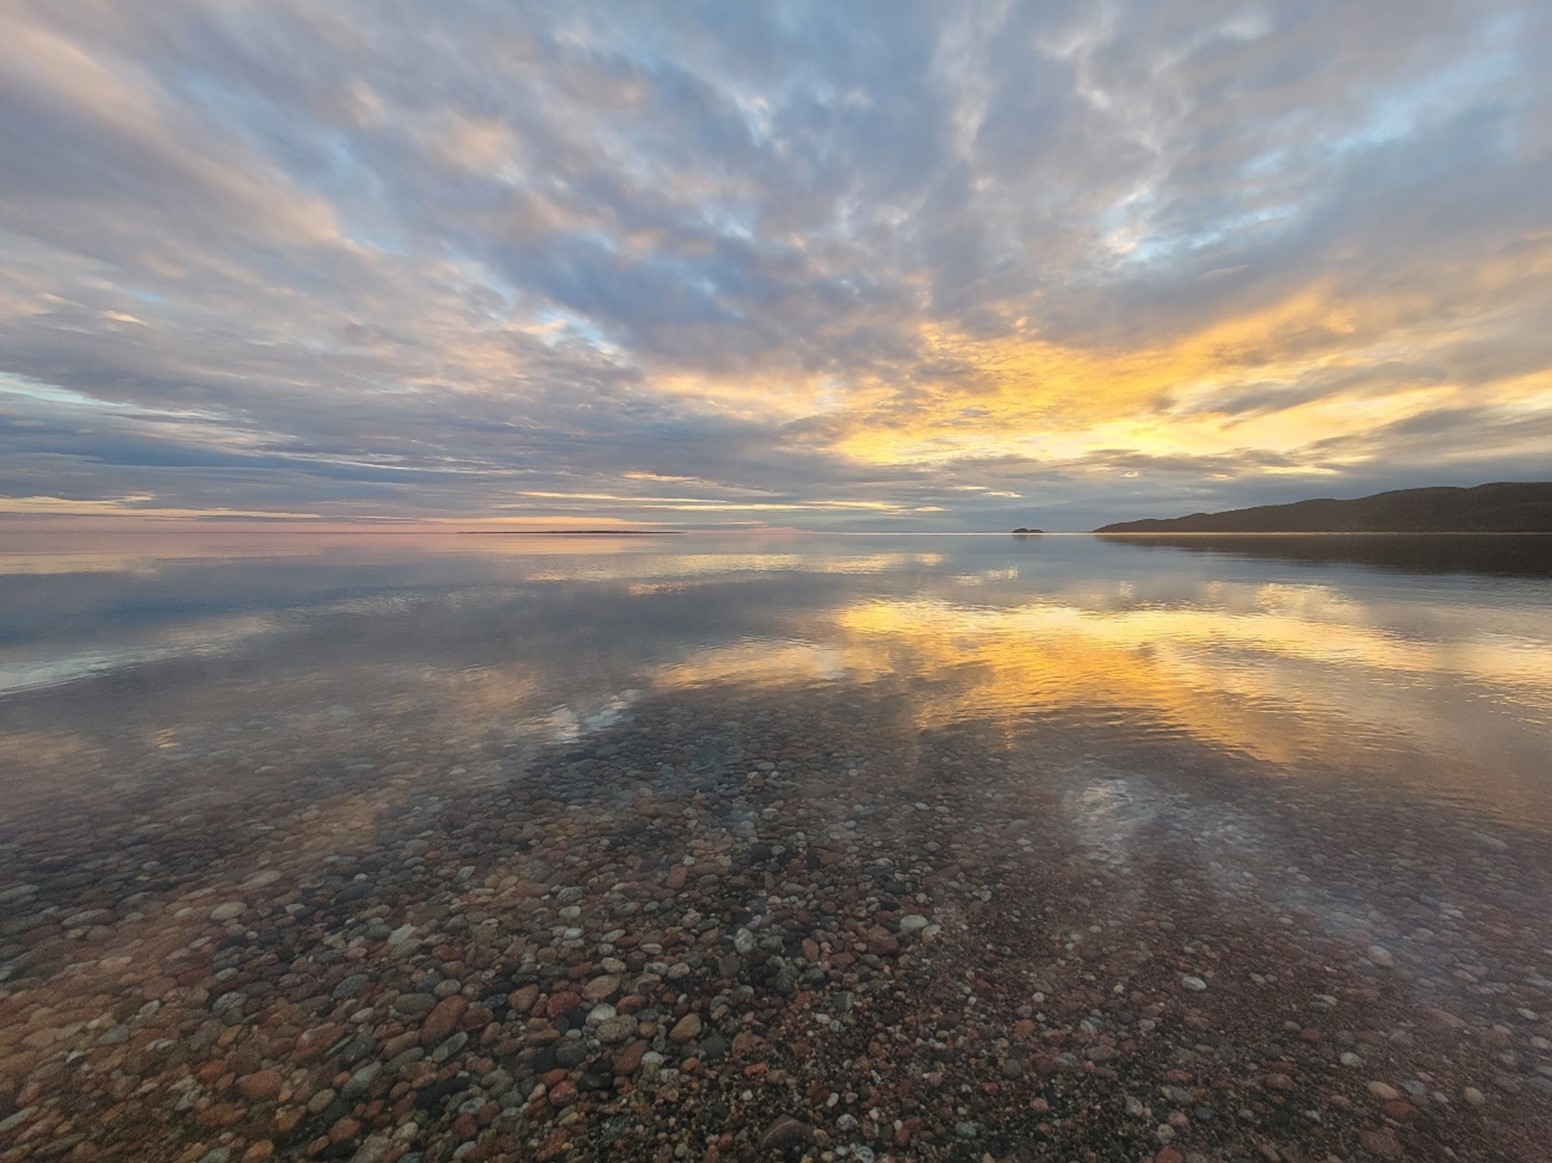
[{"x": 785, "y": 926}]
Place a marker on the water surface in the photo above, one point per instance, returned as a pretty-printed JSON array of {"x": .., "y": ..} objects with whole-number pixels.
[
  {"x": 1311, "y": 778},
  {"x": 1280, "y": 654}
]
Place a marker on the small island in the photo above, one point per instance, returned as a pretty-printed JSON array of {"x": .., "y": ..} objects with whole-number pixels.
[
  {"x": 1021, "y": 531},
  {"x": 1504, "y": 507}
]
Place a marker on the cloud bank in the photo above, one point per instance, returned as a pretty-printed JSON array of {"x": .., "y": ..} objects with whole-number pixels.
[{"x": 882, "y": 265}]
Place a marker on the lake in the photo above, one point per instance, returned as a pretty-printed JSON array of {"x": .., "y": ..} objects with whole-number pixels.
[{"x": 422, "y": 847}]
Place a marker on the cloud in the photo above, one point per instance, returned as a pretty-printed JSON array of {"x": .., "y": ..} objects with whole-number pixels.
[{"x": 874, "y": 265}]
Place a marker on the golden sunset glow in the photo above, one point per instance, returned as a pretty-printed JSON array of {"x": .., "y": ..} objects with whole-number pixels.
[
  {"x": 891, "y": 580},
  {"x": 1253, "y": 679},
  {"x": 1031, "y": 399},
  {"x": 849, "y": 283}
]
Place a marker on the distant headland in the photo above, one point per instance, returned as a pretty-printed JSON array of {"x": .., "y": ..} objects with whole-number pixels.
[{"x": 1493, "y": 508}]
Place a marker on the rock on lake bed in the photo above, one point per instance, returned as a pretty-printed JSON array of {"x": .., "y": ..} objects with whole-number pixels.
[{"x": 1185, "y": 997}]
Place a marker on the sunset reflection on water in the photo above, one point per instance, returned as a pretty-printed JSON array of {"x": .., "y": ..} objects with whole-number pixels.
[
  {"x": 1166, "y": 795},
  {"x": 1438, "y": 684}
]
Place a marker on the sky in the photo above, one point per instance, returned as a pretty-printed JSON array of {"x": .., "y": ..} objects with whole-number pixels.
[{"x": 868, "y": 265}]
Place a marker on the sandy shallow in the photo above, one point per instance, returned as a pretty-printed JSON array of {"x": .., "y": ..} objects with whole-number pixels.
[{"x": 785, "y": 925}]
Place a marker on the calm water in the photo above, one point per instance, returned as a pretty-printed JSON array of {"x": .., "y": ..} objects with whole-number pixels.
[
  {"x": 424, "y": 848},
  {"x": 1276, "y": 655}
]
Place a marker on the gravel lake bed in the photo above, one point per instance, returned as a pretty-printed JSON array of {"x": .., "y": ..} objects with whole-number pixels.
[{"x": 341, "y": 919}]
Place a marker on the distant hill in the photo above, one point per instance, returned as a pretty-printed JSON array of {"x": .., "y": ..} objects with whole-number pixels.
[{"x": 1495, "y": 508}]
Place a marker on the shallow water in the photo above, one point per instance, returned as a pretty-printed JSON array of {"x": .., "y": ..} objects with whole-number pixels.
[
  {"x": 1097, "y": 766},
  {"x": 1437, "y": 686}
]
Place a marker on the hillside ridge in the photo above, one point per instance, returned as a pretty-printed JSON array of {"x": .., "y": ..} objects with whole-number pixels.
[{"x": 1500, "y": 507}]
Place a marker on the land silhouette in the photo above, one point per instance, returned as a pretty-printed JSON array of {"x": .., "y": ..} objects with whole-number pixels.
[{"x": 1504, "y": 507}]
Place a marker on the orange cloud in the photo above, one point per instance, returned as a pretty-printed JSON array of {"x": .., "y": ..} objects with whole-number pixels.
[{"x": 1388, "y": 355}]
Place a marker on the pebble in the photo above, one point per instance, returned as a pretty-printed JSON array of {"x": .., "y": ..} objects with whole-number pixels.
[
  {"x": 350, "y": 986},
  {"x": 361, "y": 1081},
  {"x": 1380, "y": 956},
  {"x": 613, "y": 1030},
  {"x": 602, "y": 988},
  {"x": 591, "y": 953},
  {"x": 786, "y": 1133},
  {"x": 260, "y": 1086},
  {"x": 686, "y": 1029},
  {"x": 441, "y": 1019}
]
